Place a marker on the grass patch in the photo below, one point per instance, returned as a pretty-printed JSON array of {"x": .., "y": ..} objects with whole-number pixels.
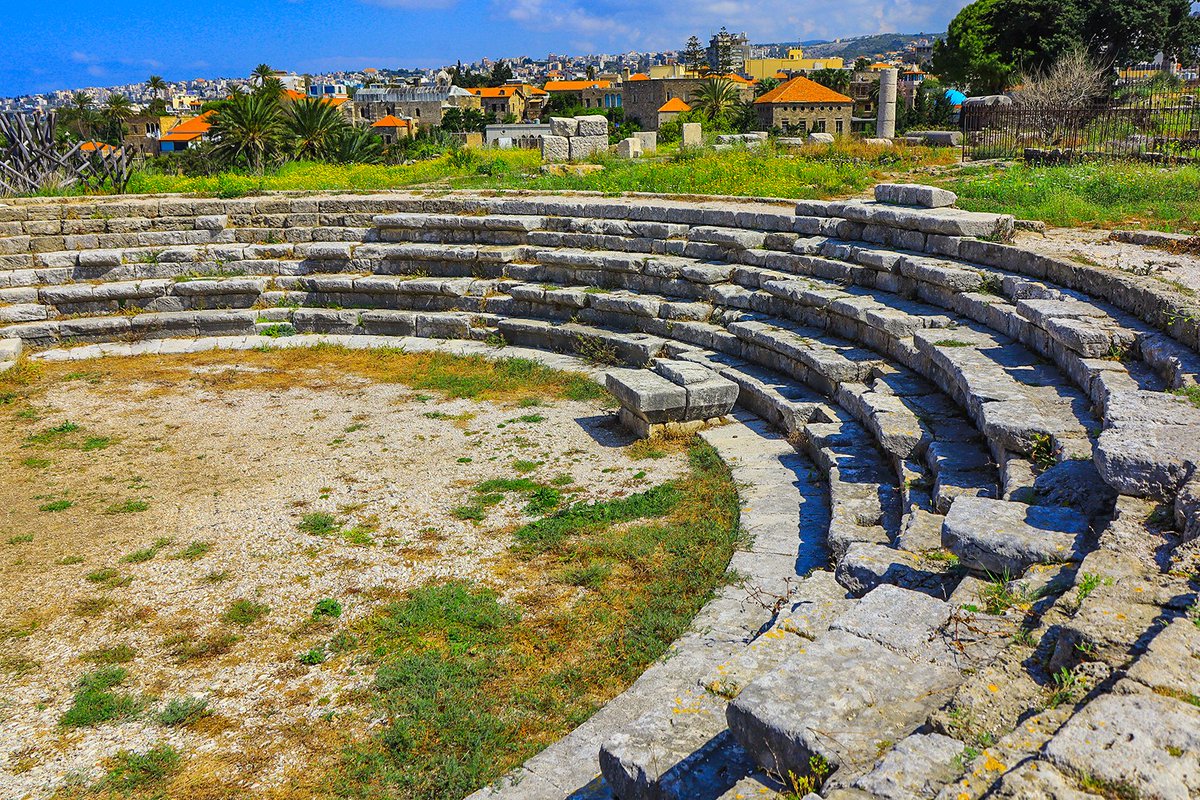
[
  {"x": 194, "y": 551},
  {"x": 245, "y": 612},
  {"x": 21, "y": 538},
  {"x": 469, "y": 686},
  {"x": 1103, "y": 195},
  {"x": 144, "y": 554},
  {"x": 128, "y": 507},
  {"x": 185, "y": 648},
  {"x": 327, "y": 608},
  {"x": 95, "y": 702},
  {"x": 55, "y": 506},
  {"x": 117, "y": 654},
  {"x": 129, "y": 772},
  {"x": 182, "y": 711}
]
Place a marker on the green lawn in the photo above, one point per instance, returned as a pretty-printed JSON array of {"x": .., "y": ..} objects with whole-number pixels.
[
  {"x": 1086, "y": 195},
  {"x": 1104, "y": 195}
]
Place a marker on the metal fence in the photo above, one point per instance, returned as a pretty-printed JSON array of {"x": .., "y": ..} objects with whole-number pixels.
[{"x": 1162, "y": 128}]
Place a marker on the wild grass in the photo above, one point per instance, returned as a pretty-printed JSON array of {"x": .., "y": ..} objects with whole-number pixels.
[
  {"x": 1096, "y": 195},
  {"x": 506, "y": 380},
  {"x": 95, "y": 702},
  {"x": 245, "y": 612},
  {"x": 811, "y": 172},
  {"x": 469, "y": 686},
  {"x": 183, "y": 711},
  {"x": 129, "y": 772}
]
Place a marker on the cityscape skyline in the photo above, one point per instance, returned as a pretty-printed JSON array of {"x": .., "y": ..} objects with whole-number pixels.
[{"x": 50, "y": 51}]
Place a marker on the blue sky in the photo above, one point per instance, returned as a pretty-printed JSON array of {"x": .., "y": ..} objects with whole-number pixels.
[{"x": 54, "y": 44}]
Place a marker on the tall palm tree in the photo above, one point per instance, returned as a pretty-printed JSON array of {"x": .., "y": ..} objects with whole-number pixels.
[
  {"x": 247, "y": 128},
  {"x": 79, "y": 115},
  {"x": 156, "y": 84},
  {"x": 262, "y": 72},
  {"x": 715, "y": 96},
  {"x": 115, "y": 111},
  {"x": 314, "y": 128}
]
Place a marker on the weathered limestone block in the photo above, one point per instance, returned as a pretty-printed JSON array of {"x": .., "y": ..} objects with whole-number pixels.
[
  {"x": 708, "y": 394},
  {"x": 691, "y": 135},
  {"x": 867, "y": 565},
  {"x": 555, "y": 148},
  {"x": 838, "y": 699},
  {"x": 1146, "y": 742},
  {"x": 592, "y": 125},
  {"x": 211, "y": 222},
  {"x": 564, "y": 126},
  {"x": 918, "y": 766},
  {"x": 1151, "y": 449},
  {"x": 647, "y": 395},
  {"x": 820, "y": 138},
  {"x": 582, "y": 147},
  {"x": 936, "y": 138},
  {"x": 648, "y": 140},
  {"x": 629, "y": 148},
  {"x": 1006, "y": 538},
  {"x": 914, "y": 194}
]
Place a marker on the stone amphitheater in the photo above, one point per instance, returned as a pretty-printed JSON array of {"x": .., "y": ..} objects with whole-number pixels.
[{"x": 968, "y": 471}]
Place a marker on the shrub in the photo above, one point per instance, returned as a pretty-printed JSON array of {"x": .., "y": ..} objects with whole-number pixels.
[
  {"x": 245, "y": 612},
  {"x": 95, "y": 703},
  {"x": 183, "y": 711},
  {"x": 328, "y": 607}
]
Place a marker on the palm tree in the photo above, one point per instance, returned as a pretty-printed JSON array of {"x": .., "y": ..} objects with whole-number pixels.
[
  {"x": 79, "y": 115},
  {"x": 715, "y": 96},
  {"x": 156, "y": 84},
  {"x": 248, "y": 128},
  {"x": 262, "y": 72},
  {"x": 271, "y": 88},
  {"x": 357, "y": 146},
  {"x": 314, "y": 127},
  {"x": 115, "y": 111}
]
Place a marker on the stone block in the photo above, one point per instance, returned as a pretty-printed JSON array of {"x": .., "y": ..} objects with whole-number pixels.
[
  {"x": 592, "y": 125},
  {"x": 914, "y": 194},
  {"x": 918, "y": 766},
  {"x": 581, "y": 147},
  {"x": 692, "y": 136},
  {"x": 820, "y": 138},
  {"x": 708, "y": 394},
  {"x": 936, "y": 138},
  {"x": 629, "y": 148},
  {"x": 1006, "y": 538},
  {"x": 648, "y": 140},
  {"x": 555, "y": 149},
  {"x": 564, "y": 126},
  {"x": 647, "y": 395}
]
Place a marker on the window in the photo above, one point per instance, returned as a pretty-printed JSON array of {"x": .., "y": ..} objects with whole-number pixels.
[
  {"x": 818, "y": 126},
  {"x": 838, "y": 126},
  {"x": 802, "y": 126}
]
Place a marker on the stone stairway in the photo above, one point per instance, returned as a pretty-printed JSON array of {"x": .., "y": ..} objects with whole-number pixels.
[{"x": 960, "y": 417}]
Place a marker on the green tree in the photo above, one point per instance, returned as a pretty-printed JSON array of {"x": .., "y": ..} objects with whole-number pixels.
[
  {"x": 836, "y": 79},
  {"x": 314, "y": 129},
  {"x": 694, "y": 57},
  {"x": 765, "y": 85},
  {"x": 79, "y": 116},
  {"x": 862, "y": 64},
  {"x": 724, "y": 51},
  {"x": 117, "y": 109},
  {"x": 714, "y": 97},
  {"x": 156, "y": 85},
  {"x": 501, "y": 74},
  {"x": 262, "y": 72},
  {"x": 248, "y": 130},
  {"x": 356, "y": 146},
  {"x": 991, "y": 42}
]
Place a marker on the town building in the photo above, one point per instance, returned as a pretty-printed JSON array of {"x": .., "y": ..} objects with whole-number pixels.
[
  {"x": 521, "y": 136},
  {"x": 670, "y": 110},
  {"x": 804, "y": 106},
  {"x": 643, "y": 99},
  {"x": 733, "y": 48},
  {"x": 759, "y": 68},
  {"x": 142, "y": 133},
  {"x": 392, "y": 129},
  {"x": 422, "y": 104},
  {"x": 512, "y": 101},
  {"x": 187, "y": 134}
]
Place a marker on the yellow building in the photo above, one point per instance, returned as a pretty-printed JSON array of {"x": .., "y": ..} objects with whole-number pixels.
[{"x": 759, "y": 68}]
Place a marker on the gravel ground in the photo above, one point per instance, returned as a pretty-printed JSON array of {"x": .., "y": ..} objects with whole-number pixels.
[
  {"x": 1094, "y": 247},
  {"x": 238, "y": 470}
]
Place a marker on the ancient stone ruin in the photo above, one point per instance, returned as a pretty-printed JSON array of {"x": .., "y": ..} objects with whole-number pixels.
[{"x": 968, "y": 471}]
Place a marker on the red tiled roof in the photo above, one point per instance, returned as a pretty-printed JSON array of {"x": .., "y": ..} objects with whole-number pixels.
[
  {"x": 575, "y": 86},
  {"x": 639, "y": 76},
  {"x": 390, "y": 122},
  {"x": 802, "y": 90},
  {"x": 674, "y": 105}
]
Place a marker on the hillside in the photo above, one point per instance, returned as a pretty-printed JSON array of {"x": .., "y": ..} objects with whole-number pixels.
[{"x": 853, "y": 48}]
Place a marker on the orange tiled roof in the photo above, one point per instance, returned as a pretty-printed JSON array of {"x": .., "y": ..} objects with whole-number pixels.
[
  {"x": 102, "y": 147},
  {"x": 880, "y": 65},
  {"x": 674, "y": 104},
  {"x": 292, "y": 94},
  {"x": 179, "y": 137},
  {"x": 575, "y": 86},
  {"x": 639, "y": 76},
  {"x": 196, "y": 126},
  {"x": 733, "y": 76},
  {"x": 390, "y": 122},
  {"x": 802, "y": 90}
]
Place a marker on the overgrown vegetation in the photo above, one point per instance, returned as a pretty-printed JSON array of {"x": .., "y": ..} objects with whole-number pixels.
[{"x": 471, "y": 686}]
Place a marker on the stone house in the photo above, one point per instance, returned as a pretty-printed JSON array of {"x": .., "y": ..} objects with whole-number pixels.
[
  {"x": 643, "y": 99},
  {"x": 521, "y": 100},
  {"x": 804, "y": 106},
  {"x": 188, "y": 133},
  {"x": 670, "y": 110},
  {"x": 422, "y": 104},
  {"x": 143, "y": 132},
  {"x": 392, "y": 129}
]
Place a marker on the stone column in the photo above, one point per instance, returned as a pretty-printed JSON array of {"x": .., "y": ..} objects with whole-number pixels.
[{"x": 885, "y": 122}]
